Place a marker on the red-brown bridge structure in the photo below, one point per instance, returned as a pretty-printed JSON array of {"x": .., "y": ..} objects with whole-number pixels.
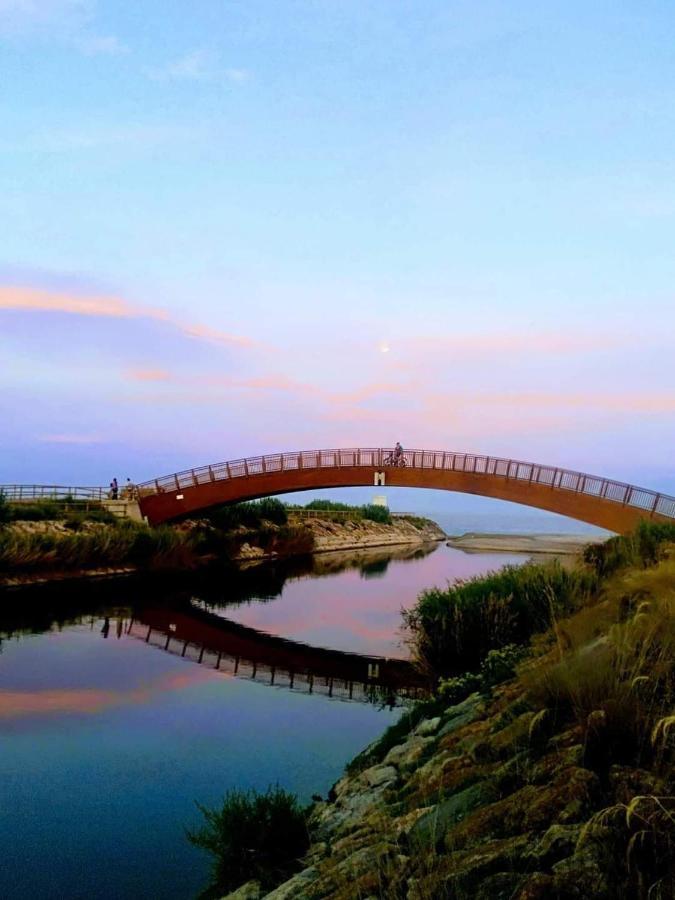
[
  {"x": 215, "y": 641},
  {"x": 600, "y": 501}
]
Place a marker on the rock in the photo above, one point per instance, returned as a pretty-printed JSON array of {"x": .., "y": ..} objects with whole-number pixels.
[
  {"x": 379, "y": 775},
  {"x": 514, "y": 737},
  {"x": 501, "y": 886},
  {"x": 296, "y": 888},
  {"x": 470, "y": 869},
  {"x": 404, "y": 824},
  {"x": 537, "y": 886},
  {"x": 627, "y": 783},
  {"x": 462, "y": 714},
  {"x": 557, "y": 843},
  {"x": 428, "y": 726},
  {"x": 581, "y": 876},
  {"x": 403, "y": 755},
  {"x": 249, "y": 891},
  {"x": 430, "y": 829}
]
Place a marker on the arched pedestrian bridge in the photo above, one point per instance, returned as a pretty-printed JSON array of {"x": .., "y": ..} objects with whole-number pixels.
[{"x": 589, "y": 498}]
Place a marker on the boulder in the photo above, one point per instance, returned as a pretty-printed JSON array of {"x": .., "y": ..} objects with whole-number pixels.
[
  {"x": 296, "y": 888},
  {"x": 249, "y": 891},
  {"x": 428, "y": 726},
  {"x": 557, "y": 843},
  {"x": 379, "y": 775},
  {"x": 431, "y": 828}
]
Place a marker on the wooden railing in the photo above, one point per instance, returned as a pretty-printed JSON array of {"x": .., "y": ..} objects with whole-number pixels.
[
  {"x": 25, "y": 493},
  {"x": 381, "y": 458}
]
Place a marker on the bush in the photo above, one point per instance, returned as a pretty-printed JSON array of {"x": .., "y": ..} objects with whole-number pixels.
[
  {"x": 252, "y": 835},
  {"x": 376, "y": 514},
  {"x": 330, "y": 506},
  {"x": 453, "y": 630},
  {"x": 642, "y": 547},
  {"x": 249, "y": 515},
  {"x": 498, "y": 666},
  {"x": 42, "y": 511}
]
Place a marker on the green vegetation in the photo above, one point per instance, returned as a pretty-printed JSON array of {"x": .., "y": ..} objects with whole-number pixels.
[
  {"x": 367, "y": 511},
  {"x": 124, "y": 544},
  {"x": 497, "y": 667},
  {"x": 329, "y": 506},
  {"x": 452, "y": 630},
  {"x": 96, "y": 539},
  {"x": 248, "y": 515},
  {"x": 252, "y": 836},
  {"x": 640, "y": 548},
  {"x": 68, "y": 510},
  {"x": 548, "y": 770}
]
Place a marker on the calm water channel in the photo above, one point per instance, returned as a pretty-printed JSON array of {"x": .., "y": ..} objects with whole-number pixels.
[{"x": 109, "y": 734}]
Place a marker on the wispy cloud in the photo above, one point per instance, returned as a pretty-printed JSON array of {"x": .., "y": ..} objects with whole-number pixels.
[
  {"x": 100, "y": 45},
  {"x": 36, "y": 300},
  {"x": 198, "y": 65},
  {"x": 68, "y": 22}
]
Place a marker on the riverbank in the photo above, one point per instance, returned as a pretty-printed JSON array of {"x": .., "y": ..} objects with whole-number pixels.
[
  {"x": 545, "y": 772},
  {"x": 551, "y": 544},
  {"x": 33, "y": 552}
]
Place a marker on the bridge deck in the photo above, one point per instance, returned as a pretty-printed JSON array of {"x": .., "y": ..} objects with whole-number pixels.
[{"x": 612, "y": 504}]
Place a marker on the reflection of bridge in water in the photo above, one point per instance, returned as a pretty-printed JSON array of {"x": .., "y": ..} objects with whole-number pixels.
[{"x": 236, "y": 650}]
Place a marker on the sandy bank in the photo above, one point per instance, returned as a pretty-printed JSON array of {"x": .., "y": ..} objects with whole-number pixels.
[{"x": 473, "y": 542}]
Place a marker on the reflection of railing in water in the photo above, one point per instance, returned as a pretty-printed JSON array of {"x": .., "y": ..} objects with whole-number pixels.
[{"x": 244, "y": 653}]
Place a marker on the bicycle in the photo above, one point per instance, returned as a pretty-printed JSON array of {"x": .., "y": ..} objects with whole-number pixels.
[{"x": 392, "y": 460}]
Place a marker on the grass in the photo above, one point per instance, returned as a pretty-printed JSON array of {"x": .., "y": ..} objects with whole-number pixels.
[
  {"x": 368, "y": 511},
  {"x": 452, "y": 630},
  {"x": 252, "y": 836},
  {"x": 248, "y": 515},
  {"x": 617, "y": 688},
  {"x": 125, "y": 544}
]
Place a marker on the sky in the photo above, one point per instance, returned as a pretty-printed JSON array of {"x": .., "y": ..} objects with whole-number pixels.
[{"x": 233, "y": 227}]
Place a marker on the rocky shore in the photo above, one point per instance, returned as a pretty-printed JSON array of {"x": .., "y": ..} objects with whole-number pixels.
[
  {"x": 556, "y": 784},
  {"x": 353, "y": 535}
]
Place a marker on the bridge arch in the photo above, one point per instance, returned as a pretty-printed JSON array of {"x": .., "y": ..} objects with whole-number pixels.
[{"x": 589, "y": 498}]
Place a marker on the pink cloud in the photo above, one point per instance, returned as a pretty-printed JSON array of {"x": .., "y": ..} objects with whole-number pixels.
[
  {"x": 36, "y": 300},
  {"x": 14, "y": 704},
  {"x": 149, "y": 375}
]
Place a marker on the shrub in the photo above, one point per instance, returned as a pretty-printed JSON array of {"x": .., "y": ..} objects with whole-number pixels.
[
  {"x": 498, "y": 666},
  {"x": 42, "y": 511},
  {"x": 451, "y": 631},
  {"x": 330, "y": 506},
  {"x": 376, "y": 513},
  {"x": 252, "y": 835},
  {"x": 642, "y": 547},
  {"x": 249, "y": 515}
]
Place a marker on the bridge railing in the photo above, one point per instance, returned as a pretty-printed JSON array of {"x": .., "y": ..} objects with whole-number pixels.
[
  {"x": 25, "y": 493},
  {"x": 381, "y": 458}
]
